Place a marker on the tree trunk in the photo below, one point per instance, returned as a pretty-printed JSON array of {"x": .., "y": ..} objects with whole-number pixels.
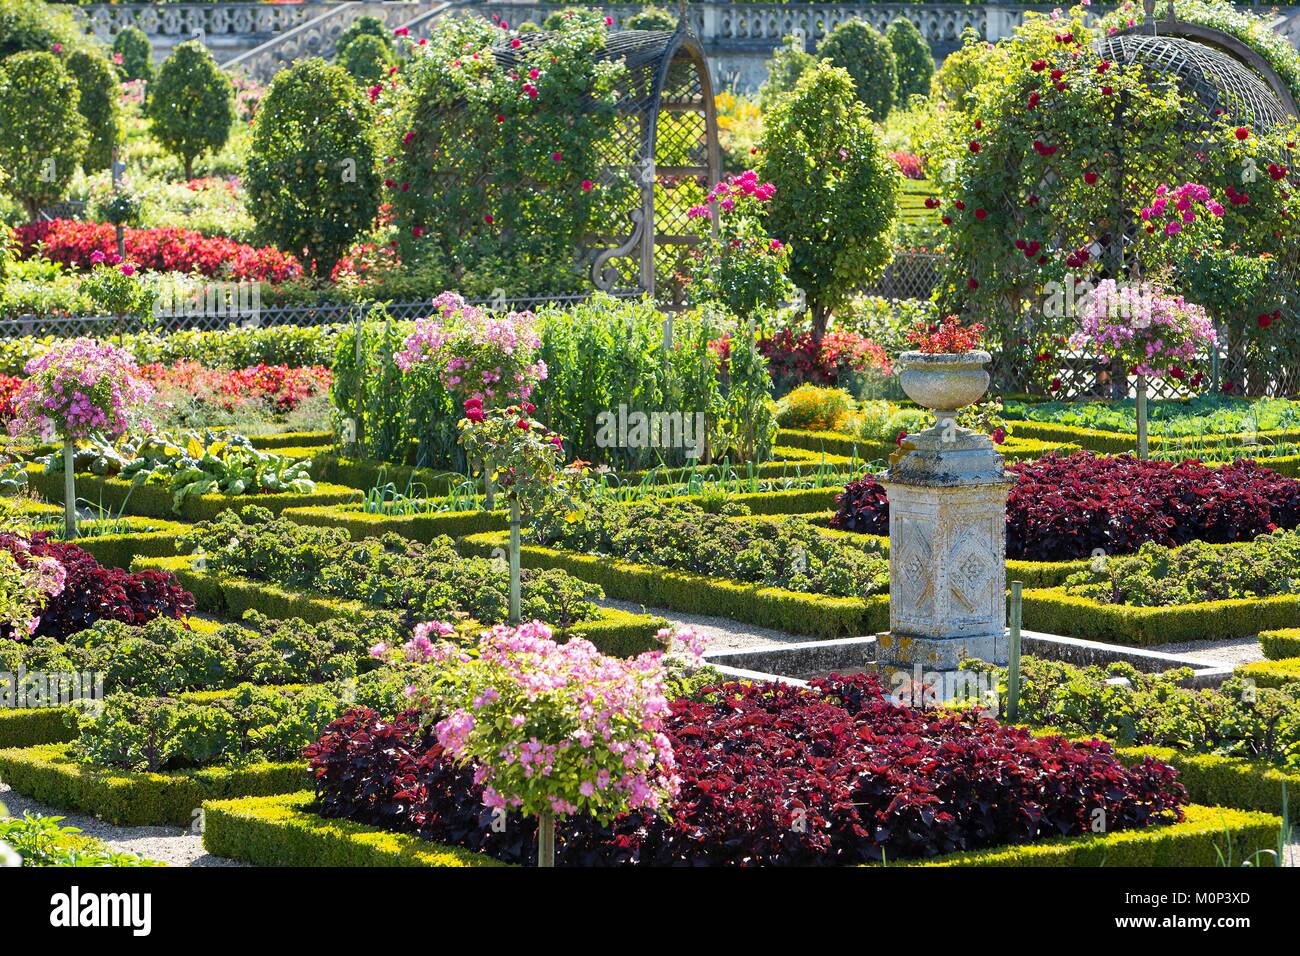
[{"x": 820, "y": 316}]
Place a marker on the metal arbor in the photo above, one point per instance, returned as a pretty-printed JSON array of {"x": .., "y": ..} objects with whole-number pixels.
[
  {"x": 1219, "y": 77},
  {"x": 665, "y": 142}
]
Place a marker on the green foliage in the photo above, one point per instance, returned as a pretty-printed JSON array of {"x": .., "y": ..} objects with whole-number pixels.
[
  {"x": 132, "y": 45},
  {"x": 1044, "y": 143},
  {"x": 367, "y": 59},
  {"x": 423, "y": 582},
  {"x": 311, "y": 176},
  {"x": 651, "y": 18},
  {"x": 98, "y": 104},
  {"x": 1281, "y": 644},
  {"x": 788, "y": 64},
  {"x": 965, "y": 69},
  {"x": 601, "y": 354},
  {"x": 41, "y": 841},
  {"x": 283, "y": 831},
  {"x": 813, "y": 408},
  {"x": 859, "y": 48},
  {"x": 817, "y": 615},
  {"x": 836, "y": 190},
  {"x": 1173, "y": 418},
  {"x": 1157, "y": 576},
  {"x": 1233, "y": 719},
  {"x": 251, "y": 725},
  {"x": 365, "y": 26},
  {"x": 48, "y": 774},
  {"x": 191, "y": 105},
  {"x": 114, "y": 292},
  {"x": 681, "y": 536},
  {"x": 43, "y": 137},
  {"x": 913, "y": 57},
  {"x": 35, "y": 26},
  {"x": 167, "y": 657}
]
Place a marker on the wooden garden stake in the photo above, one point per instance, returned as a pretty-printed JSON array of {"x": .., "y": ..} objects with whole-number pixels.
[
  {"x": 546, "y": 839},
  {"x": 69, "y": 488},
  {"x": 1013, "y": 656},
  {"x": 515, "y": 612},
  {"x": 1142, "y": 417}
]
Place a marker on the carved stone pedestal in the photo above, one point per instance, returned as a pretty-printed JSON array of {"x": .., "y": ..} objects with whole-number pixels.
[{"x": 947, "y": 556}]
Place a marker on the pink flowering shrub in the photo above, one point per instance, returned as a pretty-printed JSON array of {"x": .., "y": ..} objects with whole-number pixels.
[
  {"x": 1149, "y": 332},
  {"x": 78, "y": 388},
  {"x": 475, "y": 353},
  {"x": 741, "y": 266},
  {"x": 558, "y": 728}
]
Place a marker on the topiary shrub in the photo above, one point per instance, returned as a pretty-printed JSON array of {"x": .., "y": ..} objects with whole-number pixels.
[
  {"x": 192, "y": 104},
  {"x": 913, "y": 57},
  {"x": 42, "y": 136},
  {"x": 98, "y": 104},
  {"x": 858, "y": 47},
  {"x": 133, "y": 54},
  {"x": 311, "y": 176},
  {"x": 367, "y": 59},
  {"x": 365, "y": 26},
  {"x": 788, "y": 63},
  {"x": 37, "y": 27},
  {"x": 651, "y": 18},
  {"x": 836, "y": 189}
]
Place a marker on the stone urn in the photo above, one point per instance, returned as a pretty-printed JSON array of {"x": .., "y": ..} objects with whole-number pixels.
[{"x": 944, "y": 382}]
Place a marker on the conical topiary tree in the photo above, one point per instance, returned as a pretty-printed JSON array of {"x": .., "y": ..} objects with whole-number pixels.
[
  {"x": 859, "y": 48},
  {"x": 97, "y": 85},
  {"x": 42, "y": 136},
  {"x": 192, "y": 104},
  {"x": 367, "y": 59},
  {"x": 913, "y": 57},
  {"x": 836, "y": 190},
  {"x": 134, "y": 53},
  {"x": 311, "y": 175}
]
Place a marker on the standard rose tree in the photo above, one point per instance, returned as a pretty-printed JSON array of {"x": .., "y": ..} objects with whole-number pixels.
[
  {"x": 554, "y": 729},
  {"x": 75, "y": 390},
  {"x": 522, "y": 457}
]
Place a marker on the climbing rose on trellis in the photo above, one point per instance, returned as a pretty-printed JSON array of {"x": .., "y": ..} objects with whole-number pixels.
[{"x": 558, "y": 728}]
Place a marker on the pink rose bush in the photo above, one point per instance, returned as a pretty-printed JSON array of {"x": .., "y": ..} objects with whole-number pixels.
[
  {"x": 1150, "y": 332},
  {"x": 477, "y": 354},
  {"x": 79, "y": 388},
  {"x": 558, "y": 728},
  {"x": 740, "y": 265}
]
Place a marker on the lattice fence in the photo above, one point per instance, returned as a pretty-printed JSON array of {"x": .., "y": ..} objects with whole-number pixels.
[{"x": 109, "y": 326}]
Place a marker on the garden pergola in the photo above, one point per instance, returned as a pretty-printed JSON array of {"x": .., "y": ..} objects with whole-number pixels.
[
  {"x": 1223, "y": 77},
  {"x": 665, "y": 140}
]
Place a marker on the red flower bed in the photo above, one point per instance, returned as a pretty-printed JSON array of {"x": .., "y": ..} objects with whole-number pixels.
[
  {"x": 92, "y": 592},
  {"x": 835, "y": 774},
  {"x": 9, "y": 385},
  {"x": 1067, "y": 507},
  {"x": 169, "y": 249},
  {"x": 796, "y": 359},
  {"x": 909, "y": 164},
  {"x": 280, "y": 386}
]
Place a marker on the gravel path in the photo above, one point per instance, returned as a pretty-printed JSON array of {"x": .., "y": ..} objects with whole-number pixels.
[
  {"x": 170, "y": 845},
  {"x": 723, "y": 633},
  {"x": 1232, "y": 650}
]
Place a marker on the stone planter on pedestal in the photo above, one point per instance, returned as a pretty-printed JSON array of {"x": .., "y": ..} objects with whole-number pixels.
[{"x": 947, "y": 531}]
